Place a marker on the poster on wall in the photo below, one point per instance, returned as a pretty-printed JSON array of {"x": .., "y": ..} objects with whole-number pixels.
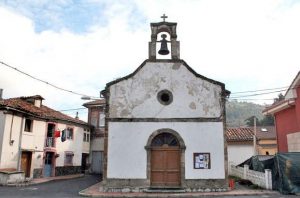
[{"x": 201, "y": 160}]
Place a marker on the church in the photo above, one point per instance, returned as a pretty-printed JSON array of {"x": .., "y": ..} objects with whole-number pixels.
[{"x": 165, "y": 124}]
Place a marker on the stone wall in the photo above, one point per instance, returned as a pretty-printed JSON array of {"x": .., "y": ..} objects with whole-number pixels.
[
  {"x": 67, "y": 170},
  {"x": 37, "y": 173}
]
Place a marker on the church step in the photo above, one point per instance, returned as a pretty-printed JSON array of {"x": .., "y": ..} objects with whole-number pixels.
[{"x": 165, "y": 190}]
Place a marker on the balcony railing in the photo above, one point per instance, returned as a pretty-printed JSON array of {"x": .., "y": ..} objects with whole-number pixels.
[{"x": 50, "y": 142}]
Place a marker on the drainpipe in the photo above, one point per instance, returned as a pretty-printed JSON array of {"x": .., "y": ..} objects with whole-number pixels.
[
  {"x": 10, "y": 132},
  {"x": 20, "y": 145}
]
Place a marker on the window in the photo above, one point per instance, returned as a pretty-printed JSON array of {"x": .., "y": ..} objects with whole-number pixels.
[
  {"x": 86, "y": 137},
  {"x": 28, "y": 125},
  {"x": 69, "y": 158},
  {"x": 164, "y": 139},
  {"x": 165, "y": 97},
  {"x": 70, "y": 133},
  {"x": 101, "y": 119}
]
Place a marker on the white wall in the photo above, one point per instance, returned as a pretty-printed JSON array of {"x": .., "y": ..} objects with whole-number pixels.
[
  {"x": 35, "y": 140},
  {"x": 2, "y": 125},
  {"x": 192, "y": 96},
  {"x": 9, "y": 155},
  {"x": 238, "y": 153},
  {"x": 75, "y": 145},
  {"x": 293, "y": 141},
  {"x": 127, "y": 157}
]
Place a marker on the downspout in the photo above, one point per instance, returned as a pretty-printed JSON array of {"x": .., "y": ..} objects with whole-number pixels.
[
  {"x": 20, "y": 145},
  {"x": 10, "y": 132}
]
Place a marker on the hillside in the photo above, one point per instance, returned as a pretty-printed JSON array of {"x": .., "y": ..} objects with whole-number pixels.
[{"x": 238, "y": 112}]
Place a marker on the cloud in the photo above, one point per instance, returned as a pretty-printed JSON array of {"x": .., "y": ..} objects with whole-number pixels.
[{"x": 247, "y": 45}]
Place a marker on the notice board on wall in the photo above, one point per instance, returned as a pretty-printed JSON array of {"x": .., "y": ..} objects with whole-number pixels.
[{"x": 201, "y": 160}]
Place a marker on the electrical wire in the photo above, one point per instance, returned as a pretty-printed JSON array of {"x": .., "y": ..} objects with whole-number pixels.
[
  {"x": 92, "y": 97},
  {"x": 244, "y": 96},
  {"x": 45, "y": 82},
  {"x": 259, "y": 90},
  {"x": 82, "y": 108}
]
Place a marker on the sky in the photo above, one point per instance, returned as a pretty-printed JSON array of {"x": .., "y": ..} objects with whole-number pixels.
[{"x": 80, "y": 45}]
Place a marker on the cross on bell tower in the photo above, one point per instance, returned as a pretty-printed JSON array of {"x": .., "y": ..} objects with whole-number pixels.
[
  {"x": 164, "y": 17},
  {"x": 167, "y": 28}
]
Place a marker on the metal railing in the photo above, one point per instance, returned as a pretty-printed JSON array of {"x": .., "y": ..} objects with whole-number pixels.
[{"x": 49, "y": 142}]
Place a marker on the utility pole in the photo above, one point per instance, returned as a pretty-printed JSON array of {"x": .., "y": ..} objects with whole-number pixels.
[{"x": 254, "y": 137}]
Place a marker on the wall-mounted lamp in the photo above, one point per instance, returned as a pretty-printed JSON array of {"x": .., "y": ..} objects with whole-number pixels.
[
  {"x": 39, "y": 156},
  {"x": 11, "y": 142}
]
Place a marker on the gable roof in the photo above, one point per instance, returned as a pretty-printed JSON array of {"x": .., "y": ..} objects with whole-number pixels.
[
  {"x": 244, "y": 134},
  {"x": 289, "y": 98},
  {"x": 20, "y": 104},
  {"x": 290, "y": 93},
  {"x": 225, "y": 92}
]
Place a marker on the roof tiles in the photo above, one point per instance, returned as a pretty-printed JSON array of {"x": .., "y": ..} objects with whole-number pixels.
[{"x": 43, "y": 112}]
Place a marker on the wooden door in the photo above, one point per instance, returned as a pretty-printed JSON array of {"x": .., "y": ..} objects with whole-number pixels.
[
  {"x": 26, "y": 163},
  {"x": 165, "y": 167}
]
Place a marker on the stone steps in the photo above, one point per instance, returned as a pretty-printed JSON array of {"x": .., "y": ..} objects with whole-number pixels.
[{"x": 164, "y": 190}]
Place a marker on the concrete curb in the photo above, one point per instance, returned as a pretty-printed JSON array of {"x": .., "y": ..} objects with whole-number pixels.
[{"x": 44, "y": 180}]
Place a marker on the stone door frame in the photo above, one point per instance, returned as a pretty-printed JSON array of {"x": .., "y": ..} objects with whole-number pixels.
[{"x": 182, "y": 148}]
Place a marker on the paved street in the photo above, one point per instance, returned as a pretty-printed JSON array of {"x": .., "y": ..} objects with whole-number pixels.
[
  {"x": 61, "y": 188},
  {"x": 71, "y": 187},
  {"x": 258, "y": 196}
]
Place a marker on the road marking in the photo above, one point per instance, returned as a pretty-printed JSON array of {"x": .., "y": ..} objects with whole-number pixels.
[{"x": 33, "y": 188}]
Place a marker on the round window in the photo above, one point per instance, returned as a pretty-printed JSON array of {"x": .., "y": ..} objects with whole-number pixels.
[{"x": 165, "y": 97}]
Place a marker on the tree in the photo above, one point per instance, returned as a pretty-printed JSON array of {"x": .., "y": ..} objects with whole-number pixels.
[
  {"x": 279, "y": 98},
  {"x": 250, "y": 121},
  {"x": 267, "y": 121}
]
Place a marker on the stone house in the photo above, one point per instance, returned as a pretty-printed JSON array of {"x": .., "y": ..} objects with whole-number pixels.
[
  {"x": 40, "y": 141},
  {"x": 165, "y": 124}
]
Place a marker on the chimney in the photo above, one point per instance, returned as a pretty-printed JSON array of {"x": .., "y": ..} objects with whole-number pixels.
[
  {"x": 77, "y": 117},
  {"x": 1, "y": 92}
]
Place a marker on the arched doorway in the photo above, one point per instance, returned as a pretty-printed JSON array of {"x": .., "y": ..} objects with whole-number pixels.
[{"x": 165, "y": 160}]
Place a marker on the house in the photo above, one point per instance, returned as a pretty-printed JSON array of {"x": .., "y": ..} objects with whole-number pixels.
[
  {"x": 96, "y": 118},
  {"x": 266, "y": 140},
  {"x": 40, "y": 141},
  {"x": 287, "y": 118},
  {"x": 164, "y": 124},
  {"x": 241, "y": 146}
]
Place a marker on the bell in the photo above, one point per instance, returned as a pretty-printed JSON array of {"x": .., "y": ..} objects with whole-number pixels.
[{"x": 164, "y": 45}]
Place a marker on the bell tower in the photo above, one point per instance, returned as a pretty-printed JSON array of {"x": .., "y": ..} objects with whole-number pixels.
[{"x": 168, "y": 30}]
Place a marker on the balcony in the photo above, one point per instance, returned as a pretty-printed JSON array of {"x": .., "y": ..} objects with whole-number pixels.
[{"x": 50, "y": 142}]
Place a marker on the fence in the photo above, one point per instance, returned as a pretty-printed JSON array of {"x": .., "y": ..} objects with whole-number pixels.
[{"x": 263, "y": 180}]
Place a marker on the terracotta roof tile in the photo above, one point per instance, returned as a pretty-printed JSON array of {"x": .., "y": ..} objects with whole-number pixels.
[
  {"x": 246, "y": 133},
  {"x": 239, "y": 134},
  {"x": 43, "y": 112}
]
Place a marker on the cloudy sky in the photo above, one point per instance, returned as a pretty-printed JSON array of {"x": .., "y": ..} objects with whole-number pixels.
[{"x": 80, "y": 45}]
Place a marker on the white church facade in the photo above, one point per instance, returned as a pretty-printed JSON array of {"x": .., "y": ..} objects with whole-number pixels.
[{"x": 165, "y": 125}]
